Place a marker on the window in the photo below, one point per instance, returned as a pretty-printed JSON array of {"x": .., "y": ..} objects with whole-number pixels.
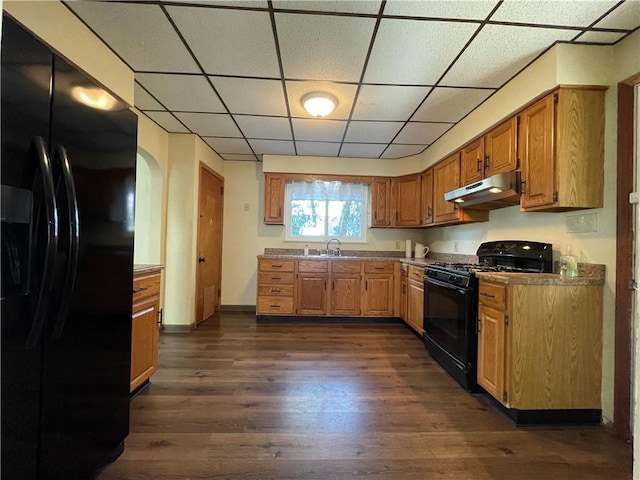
[{"x": 318, "y": 211}]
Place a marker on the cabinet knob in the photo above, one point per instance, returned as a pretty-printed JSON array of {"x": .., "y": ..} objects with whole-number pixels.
[{"x": 201, "y": 259}]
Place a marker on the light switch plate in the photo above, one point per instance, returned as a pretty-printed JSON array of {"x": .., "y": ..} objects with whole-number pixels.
[{"x": 583, "y": 223}]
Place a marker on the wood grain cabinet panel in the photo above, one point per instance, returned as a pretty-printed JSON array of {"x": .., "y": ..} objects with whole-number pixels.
[
  {"x": 145, "y": 326},
  {"x": 562, "y": 151},
  {"x": 275, "y": 287},
  {"x": 407, "y": 195},
  {"x": 446, "y": 177},
  {"x": 540, "y": 349},
  {"x": 500, "y": 148},
  {"x": 472, "y": 162},
  {"x": 381, "y": 202},
  {"x": 415, "y": 298},
  {"x": 274, "y": 185},
  {"x": 379, "y": 286},
  {"x": 427, "y": 197},
  {"x": 311, "y": 294}
]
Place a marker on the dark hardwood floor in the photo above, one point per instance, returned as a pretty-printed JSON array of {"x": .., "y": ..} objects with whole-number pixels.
[{"x": 243, "y": 400}]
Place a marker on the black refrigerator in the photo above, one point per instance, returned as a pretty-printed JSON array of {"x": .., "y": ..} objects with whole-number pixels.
[{"x": 68, "y": 191}]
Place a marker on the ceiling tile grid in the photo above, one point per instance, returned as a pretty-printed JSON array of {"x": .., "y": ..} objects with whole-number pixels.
[{"x": 403, "y": 72}]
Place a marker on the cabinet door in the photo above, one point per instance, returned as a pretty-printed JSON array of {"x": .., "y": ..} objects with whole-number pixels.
[
  {"x": 312, "y": 294},
  {"x": 415, "y": 305},
  {"x": 472, "y": 162},
  {"x": 408, "y": 191},
  {"x": 378, "y": 295},
  {"x": 144, "y": 341},
  {"x": 345, "y": 294},
  {"x": 500, "y": 148},
  {"x": 427, "y": 197},
  {"x": 381, "y": 202},
  {"x": 403, "y": 299},
  {"x": 537, "y": 154},
  {"x": 491, "y": 350},
  {"x": 446, "y": 177},
  {"x": 274, "y": 199}
]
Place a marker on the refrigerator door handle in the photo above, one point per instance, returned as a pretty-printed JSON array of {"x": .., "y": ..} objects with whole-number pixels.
[
  {"x": 61, "y": 158},
  {"x": 39, "y": 148}
]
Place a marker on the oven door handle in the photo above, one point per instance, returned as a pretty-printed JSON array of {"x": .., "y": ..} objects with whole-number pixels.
[{"x": 448, "y": 286}]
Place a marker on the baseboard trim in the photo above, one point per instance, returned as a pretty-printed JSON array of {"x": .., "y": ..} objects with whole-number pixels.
[
  {"x": 238, "y": 308},
  {"x": 178, "y": 328}
]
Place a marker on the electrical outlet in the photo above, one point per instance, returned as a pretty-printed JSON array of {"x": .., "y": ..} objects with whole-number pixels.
[
  {"x": 455, "y": 245},
  {"x": 586, "y": 222}
]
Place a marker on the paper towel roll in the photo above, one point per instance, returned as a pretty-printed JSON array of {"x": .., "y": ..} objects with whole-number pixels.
[{"x": 407, "y": 248}]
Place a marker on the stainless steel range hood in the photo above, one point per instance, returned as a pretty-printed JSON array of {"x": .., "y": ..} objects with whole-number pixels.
[{"x": 498, "y": 191}]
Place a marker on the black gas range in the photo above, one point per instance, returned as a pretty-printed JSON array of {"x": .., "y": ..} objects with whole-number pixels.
[{"x": 451, "y": 302}]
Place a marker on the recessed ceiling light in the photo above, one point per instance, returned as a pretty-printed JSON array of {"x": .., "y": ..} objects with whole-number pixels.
[{"x": 319, "y": 104}]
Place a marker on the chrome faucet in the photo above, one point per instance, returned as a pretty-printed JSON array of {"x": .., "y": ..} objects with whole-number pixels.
[{"x": 337, "y": 250}]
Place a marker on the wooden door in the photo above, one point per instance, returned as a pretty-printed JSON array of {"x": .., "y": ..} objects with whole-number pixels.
[
  {"x": 381, "y": 202},
  {"x": 446, "y": 177},
  {"x": 491, "y": 348},
  {"x": 500, "y": 148},
  {"x": 472, "y": 162},
  {"x": 345, "y": 294},
  {"x": 209, "y": 245},
  {"x": 408, "y": 191},
  {"x": 427, "y": 197},
  {"x": 537, "y": 153},
  {"x": 274, "y": 199}
]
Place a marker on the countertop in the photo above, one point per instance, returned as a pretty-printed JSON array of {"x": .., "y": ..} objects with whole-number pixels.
[
  {"x": 589, "y": 275},
  {"x": 141, "y": 268}
]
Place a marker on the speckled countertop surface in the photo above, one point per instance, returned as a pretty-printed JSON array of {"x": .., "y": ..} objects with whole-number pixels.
[
  {"x": 588, "y": 274},
  {"x": 145, "y": 268}
]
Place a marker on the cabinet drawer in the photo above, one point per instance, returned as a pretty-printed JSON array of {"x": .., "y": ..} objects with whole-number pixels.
[
  {"x": 416, "y": 273},
  {"x": 275, "y": 265},
  {"x": 378, "y": 267},
  {"x": 275, "y": 278},
  {"x": 346, "y": 266},
  {"x": 275, "y": 305},
  {"x": 275, "y": 290},
  {"x": 146, "y": 286},
  {"x": 493, "y": 295},
  {"x": 313, "y": 266}
]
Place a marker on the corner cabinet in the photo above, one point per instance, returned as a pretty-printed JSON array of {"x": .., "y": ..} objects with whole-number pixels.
[
  {"x": 562, "y": 151},
  {"x": 541, "y": 359},
  {"x": 274, "y": 199},
  {"x": 145, "y": 325}
]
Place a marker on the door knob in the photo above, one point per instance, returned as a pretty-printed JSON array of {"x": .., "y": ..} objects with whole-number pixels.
[{"x": 201, "y": 259}]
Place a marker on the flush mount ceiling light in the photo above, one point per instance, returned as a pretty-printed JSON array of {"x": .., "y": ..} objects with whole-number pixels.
[
  {"x": 319, "y": 104},
  {"x": 94, "y": 97}
]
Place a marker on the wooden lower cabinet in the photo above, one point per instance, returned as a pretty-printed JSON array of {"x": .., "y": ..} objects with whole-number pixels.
[
  {"x": 415, "y": 298},
  {"x": 145, "y": 325},
  {"x": 346, "y": 282},
  {"x": 275, "y": 287},
  {"x": 540, "y": 346},
  {"x": 379, "y": 287}
]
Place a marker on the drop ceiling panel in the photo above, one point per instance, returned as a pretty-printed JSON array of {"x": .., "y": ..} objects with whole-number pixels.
[
  {"x": 210, "y": 124},
  {"x": 421, "y": 133},
  {"x": 272, "y": 147},
  {"x": 385, "y": 102},
  {"x": 229, "y": 145},
  {"x": 344, "y": 93},
  {"x": 450, "y": 104},
  {"x": 625, "y": 16},
  {"x": 553, "y": 12},
  {"x": 140, "y": 34},
  {"x": 322, "y": 149},
  {"x": 210, "y": 32},
  {"x": 372, "y": 132},
  {"x": 319, "y": 130},
  {"x": 264, "y": 127},
  {"x": 323, "y": 47},
  {"x": 366, "y": 150},
  {"x": 398, "y": 151},
  {"x": 251, "y": 96},
  {"x": 227, "y": 3},
  {"x": 143, "y": 100},
  {"x": 187, "y": 93},
  {"x": 413, "y": 52},
  {"x": 465, "y": 9},
  {"x": 348, "y": 6},
  {"x": 499, "y": 52},
  {"x": 599, "y": 37},
  {"x": 167, "y": 121}
]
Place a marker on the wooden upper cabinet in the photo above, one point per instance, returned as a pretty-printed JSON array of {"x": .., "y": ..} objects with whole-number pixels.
[
  {"x": 472, "y": 162},
  {"x": 562, "y": 151},
  {"x": 407, "y": 192},
  {"x": 274, "y": 199},
  {"x": 427, "y": 197},
  {"x": 495, "y": 152},
  {"x": 500, "y": 148},
  {"x": 381, "y": 202},
  {"x": 446, "y": 177}
]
